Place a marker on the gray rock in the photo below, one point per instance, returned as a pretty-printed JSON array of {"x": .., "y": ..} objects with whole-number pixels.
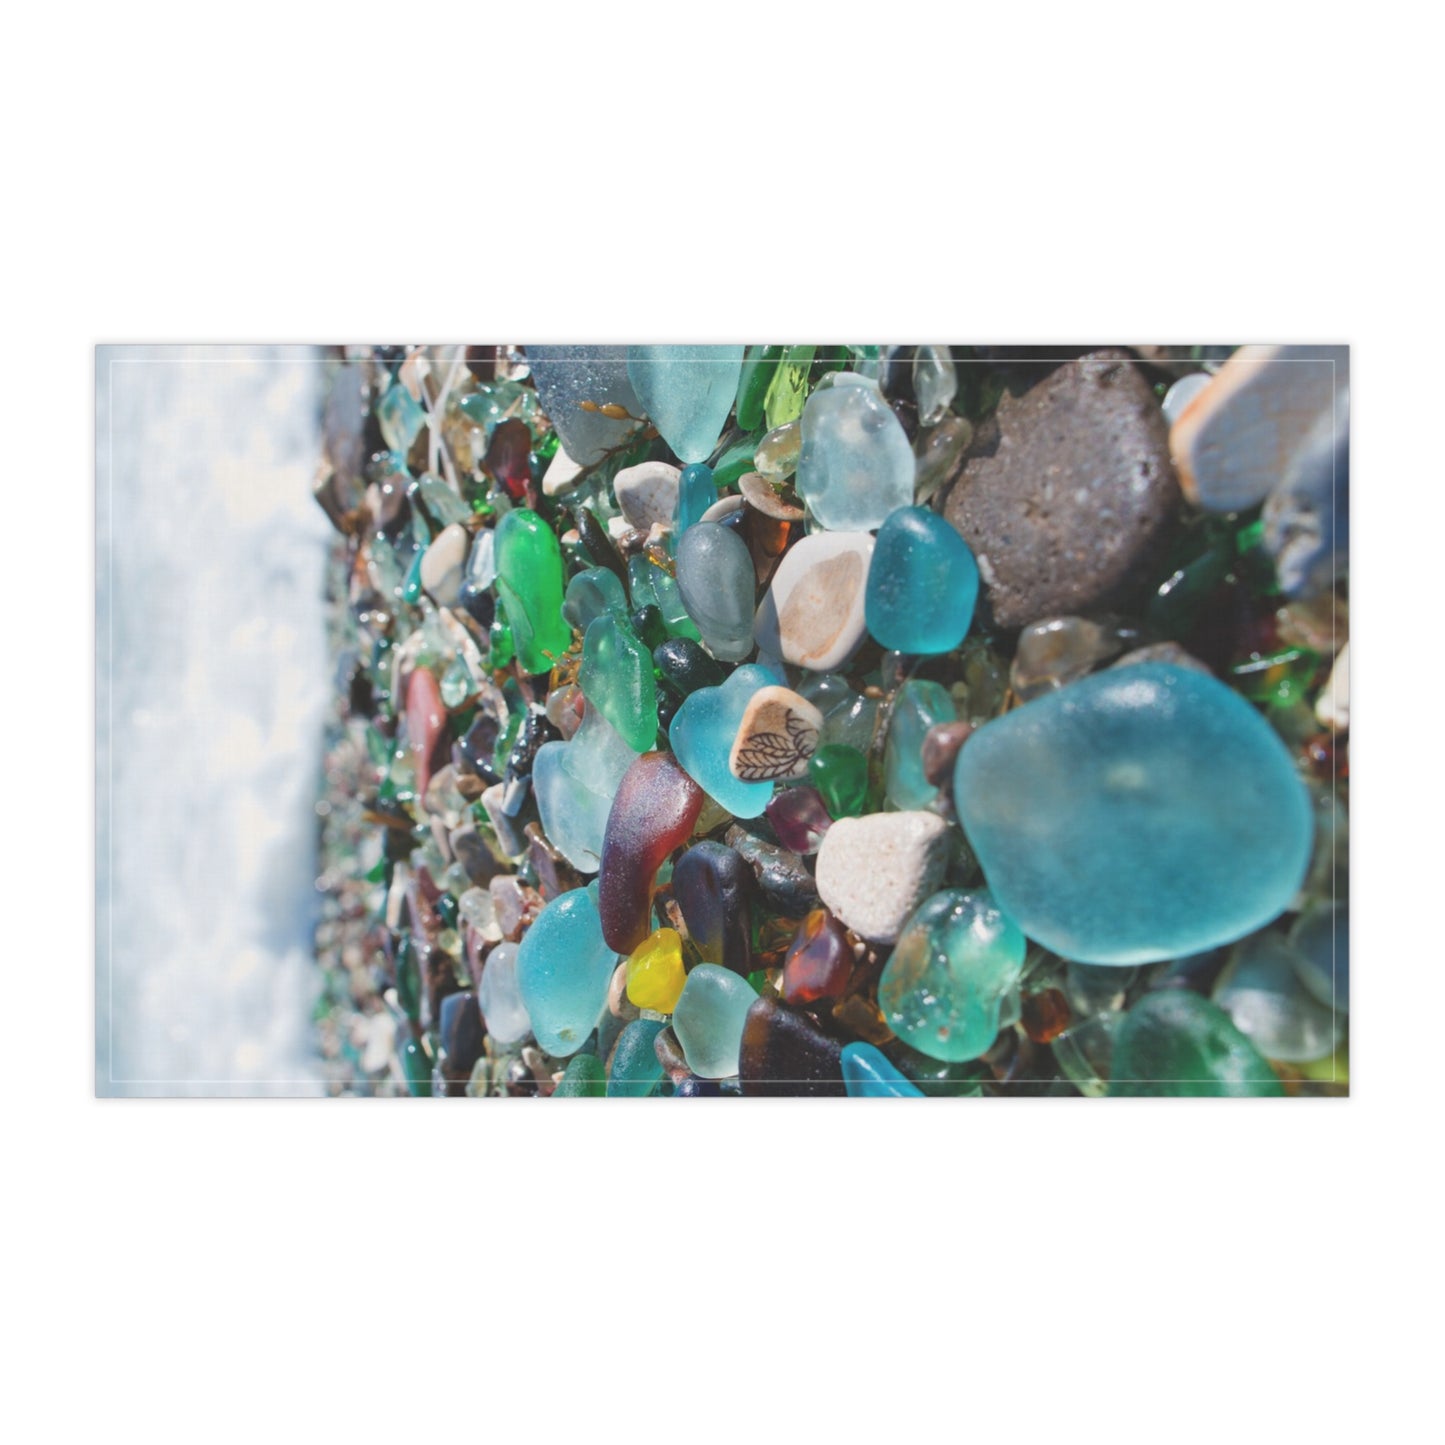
[{"x": 1067, "y": 493}]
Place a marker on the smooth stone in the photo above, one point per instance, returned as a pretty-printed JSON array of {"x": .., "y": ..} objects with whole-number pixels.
[
  {"x": 1320, "y": 938},
  {"x": 500, "y": 997},
  {"x": 1182, "y": 393},
  {"x": 776, "y": 737},
  {"x": 529, "y": 581},
  {"x": 566, "y": 376},
  {"x": 819, "y": 961},
  {"x": 636, "y": 1072},
  {"x": 856, "y": 465},
  {"x": 574, "y": 784},
  {"x": 709, "y": 1020},
  {"x": 955, "y": 961},
  {"x": 696, "y": 493},
  {"x": 656, "y": 805},
  {"x": 590, "y": 594},
  {"x": 1143, "y": 813},
  {"x": 919, "y": 707},
  {"x": 715, "y": 888},
  {"x": 655, "y": 975},
  {"x": 702, "y": 735},
  {"x": 759, "y": 494},
  {"x": 647, "y": 493},
  {"x": 1068, "y": 495},
  {"x": 1263, "y": 992},
  {"x": 718, "y": 587},
  {"x": 442, "y": 564},
  {"x": 939, "y": 755},
  {"x": 813, "y": 614},
  {"x": 584, "y": 1078},
  {"x": 867, "y": 1074},
  {"x": 1176, "y": 1044},
  {"x": 687, "y": 392},
  {"x": 922, "y": 585},
  {"x": 799, "y": 818},
  {"x": 561, "y": 474},
  {"x": 1307, "y": 514},
  {"x": 1058, "y": 651},
  {"x": 873, "y": 872},
  {"x": 1239, "y": 436},
  {"x": 564, "y": 967},
  {"x": 616, "y": 677},
  {"x": 784, "y": 1052}
]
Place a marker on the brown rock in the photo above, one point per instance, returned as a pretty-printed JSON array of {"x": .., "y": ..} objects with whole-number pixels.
[{"x": 1068, "y": 492}]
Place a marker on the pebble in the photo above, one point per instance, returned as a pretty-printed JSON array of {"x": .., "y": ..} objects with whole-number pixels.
[
  {"x": 940, "y": 751},
  {"x": 616, "y": 677},
  {"x": 647, "y": 493},
  {"x": 564, "y": 967},
  {"x": 655, "y": 975},
  {"x": 566, "y": 376},
  {"x": 1241, "y": 433},
  {"x": 785, "y": 1052},
  {"x": 709, "y": 1019},
  {"x": 574, "y": 784},
  {"x": 868, "y": 1074},
  {"x": 762, "y": 497},
  {"x": 856, "y": 465},
  {"x": 943, "y": 988},
  {"x": 561, "y": 474},
  {"x": 702, "y": 735},
  {"x": 813, "y": 613},
  {"x": 1069, "y": 493},
  {"x": 922, "y": 585},
  {"x": 874, "y": 871},
  {"x": 500, "y": 997},
  {"x": 776, "y": 737},
  {"x": 1177, "y": 1044},
  {"x": 1144, "y": 813},
  {"x": 653, "y": 813},
  {"x": 1059, "y": 651},
  {"x": 715, "y": 889},
  {"x": 1307, "y": 515},
  {"x": 442, "y": 564},
  {"x": 716, "y": 579},
  {"x": 1263, "y": 991},
  {"x": 687, "y": 392}
]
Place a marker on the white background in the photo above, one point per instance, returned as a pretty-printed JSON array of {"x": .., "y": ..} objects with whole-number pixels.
[{"x": 1150, "y": 1272}]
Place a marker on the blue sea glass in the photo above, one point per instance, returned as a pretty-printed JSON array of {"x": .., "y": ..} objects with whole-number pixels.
[
  {"x": 942, "y": 989},
  {"x": 687, "y": 392},
  {"x": 709, "y": 1020},
  {"x": 919, "y": 705},
  {"x": 718, "y": 582},
  {"x": 856, "y": 465},
  {"x": 574, "y": 784},
  {"x": 922, "y": 586},
  {"x": 696, "y": 492},
  {"x": 1142, "y": 814},
  {"x": 567, "y": 376},
  {"x": 702, "y": 735},
  {"x": 564, "y": 968},
  {"x": 590, "y": 594},
  {"x": 867, "y": 1074},
  {"x": 636, "y": 1070}
]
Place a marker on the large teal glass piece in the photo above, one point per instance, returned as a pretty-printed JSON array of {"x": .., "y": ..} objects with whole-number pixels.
[
  {"x": 702, "y": 735},
  {"x": 1176, "y": 1044},
  {"x": 856, "y": 465},
  {"x": 1141, "y": 814},
  {"x": 922, "y": 586},
  {"x": 564, "y": 967},
  {"x": 942, "y": 989},
  {"x": 688, "y": 392},
  {"x": 709, "y": 1020},
  {"x": 616, "y": 677},
  {"x": 696, "y": 492},
  {"x": 919, "y": 705},
  {"x": 867, "y": 1074}
]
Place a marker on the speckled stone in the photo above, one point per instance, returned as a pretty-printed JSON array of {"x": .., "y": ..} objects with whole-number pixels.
[
  {"x": 647, "y": 493},
  {"x": 874, "y": 871},
  {"x": 812, "y": 615},
  {"x": 1068, "y": 492}
]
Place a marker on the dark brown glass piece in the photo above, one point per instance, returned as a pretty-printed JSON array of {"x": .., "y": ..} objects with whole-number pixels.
[{"x": 785, "y": 1053}]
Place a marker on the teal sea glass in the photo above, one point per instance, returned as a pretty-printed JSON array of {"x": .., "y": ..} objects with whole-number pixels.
[
  {"x": 922, "y": 586},
  {"x": 636, "y": 1069},
  {"x": 702, "y": 735},
  {"x": 709, "y": 1020},
  {"x": 564, "y": 967},
  {"x": 696, "y": 492},
  {"x": 867, "y": 1074},
  {"x": 688, "y": 393},
  {"x": 591, "y": 593},
  {"x": 919, "y": 705},
  {"x": 616, "y": 677},
  {"x": 574, "y": 784},
  {"x": 1142, "y": 814}
]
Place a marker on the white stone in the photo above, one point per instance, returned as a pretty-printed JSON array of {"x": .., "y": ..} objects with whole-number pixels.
[
  {"x": 561, "y": 473},
  {"x": 442, "y": 564},
  {"x": 874, "y": 871},
  {"x": 1333, "y": 707},
  {"x": 647, "y": 493},
  {"x": 812, "y": 615}
]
